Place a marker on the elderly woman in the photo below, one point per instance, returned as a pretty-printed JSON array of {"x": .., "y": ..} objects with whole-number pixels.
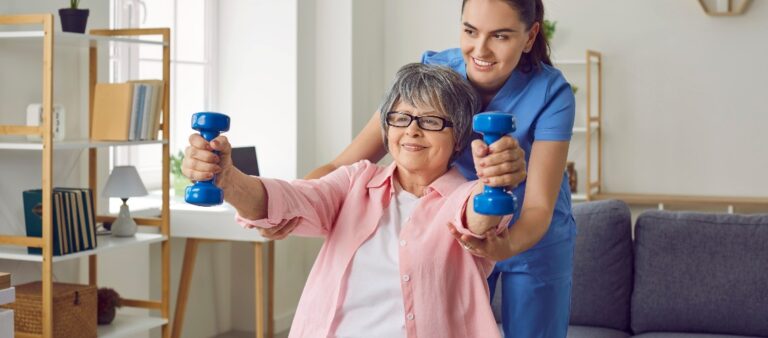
[{"x": 388, "y": 267}]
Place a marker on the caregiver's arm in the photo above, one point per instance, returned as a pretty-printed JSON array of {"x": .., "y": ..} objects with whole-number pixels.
[
  {"x": 367, "y": 145},
  {"x": 545, "y": 174}
]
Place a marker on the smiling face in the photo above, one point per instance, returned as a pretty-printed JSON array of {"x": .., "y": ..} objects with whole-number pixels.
[
  {"x": 493, "y": 39},
  {"x": 417, "y": 151}
]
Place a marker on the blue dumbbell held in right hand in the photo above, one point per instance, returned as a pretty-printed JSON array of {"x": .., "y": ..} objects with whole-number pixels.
[
  {"x": 206, "y": 193},
  {"x": 494, "y": 200}
]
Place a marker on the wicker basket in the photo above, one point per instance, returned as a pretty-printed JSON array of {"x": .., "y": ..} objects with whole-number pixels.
[{"x": 74, "y": 309}]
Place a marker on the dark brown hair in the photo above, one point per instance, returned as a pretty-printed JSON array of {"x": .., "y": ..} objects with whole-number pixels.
[{"x": 530, "y": 12}]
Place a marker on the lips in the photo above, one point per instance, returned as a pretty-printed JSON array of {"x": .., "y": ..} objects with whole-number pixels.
[
  {"x": 482, "y": 64},
  {"x": 412, "y": 147}
]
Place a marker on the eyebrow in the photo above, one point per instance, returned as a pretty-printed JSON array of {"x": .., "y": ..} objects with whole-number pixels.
[{"x": 503, "y": 30}]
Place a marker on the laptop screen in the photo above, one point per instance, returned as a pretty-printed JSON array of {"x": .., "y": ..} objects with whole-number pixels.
[{"x": 244, "y": 158}]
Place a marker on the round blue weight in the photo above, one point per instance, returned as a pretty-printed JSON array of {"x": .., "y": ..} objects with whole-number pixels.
[
  {"x": 210, "y": 124},
  {"x": 204, "y": 194},
  {"x": 494, "y": 123},
  {"x": 496, "y": 202}
]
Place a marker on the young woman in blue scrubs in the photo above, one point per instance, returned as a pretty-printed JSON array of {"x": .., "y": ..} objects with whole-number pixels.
[{"x": 506, "y": 59}]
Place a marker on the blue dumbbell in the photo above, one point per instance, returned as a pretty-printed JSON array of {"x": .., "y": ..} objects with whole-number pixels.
[
  {"x": 206, "y": 193},
  {"x": 494, "y": 201}
]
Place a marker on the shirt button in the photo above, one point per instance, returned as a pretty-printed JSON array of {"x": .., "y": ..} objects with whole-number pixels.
[
  {"x": 409, "y": 316},
  {"x": 403, "y": 242},
  {"x": 406, "y": 278}
]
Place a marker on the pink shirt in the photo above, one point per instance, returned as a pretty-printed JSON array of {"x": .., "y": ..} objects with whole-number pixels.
[{"x": 445, "y": 293}]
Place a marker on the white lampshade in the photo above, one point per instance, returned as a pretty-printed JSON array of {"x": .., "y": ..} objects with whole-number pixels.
[{"x": 124, "y": 182}]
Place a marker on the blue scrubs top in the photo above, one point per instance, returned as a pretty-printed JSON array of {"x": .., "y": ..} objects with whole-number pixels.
[{"x": 543, "y": 105}]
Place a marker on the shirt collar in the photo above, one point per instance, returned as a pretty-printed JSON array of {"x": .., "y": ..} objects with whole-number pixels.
[{"x": 444, "y": 185}]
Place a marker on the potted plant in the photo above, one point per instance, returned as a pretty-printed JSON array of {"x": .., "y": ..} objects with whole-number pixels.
[
  {"x": 73, "y": 19},
  {"x": 179, "y": 181}
]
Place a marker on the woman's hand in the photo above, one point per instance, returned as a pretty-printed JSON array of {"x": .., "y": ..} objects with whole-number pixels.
[
  {"x": 494, "y": 246},
  {"x": 281, "y": 231},
  {"x": 502, "y": 164},
  {"x": 201, "y": 163}
]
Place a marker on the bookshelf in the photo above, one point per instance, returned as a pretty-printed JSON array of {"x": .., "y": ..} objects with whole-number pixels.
[
  {"x": 13, "y": 137},
  {"x": 590, "y": 130}
]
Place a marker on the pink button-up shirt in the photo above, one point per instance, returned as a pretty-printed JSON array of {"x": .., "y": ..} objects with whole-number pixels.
[{"x": 446, "y": 294}]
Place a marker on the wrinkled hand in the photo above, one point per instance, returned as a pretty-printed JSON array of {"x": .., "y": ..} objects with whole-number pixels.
[
  {"x": 201, "y": 163},
  {"x": 281, "y": 231},
  {"x": 494, "y": 246},
  {"x": 502, "y": 164}
]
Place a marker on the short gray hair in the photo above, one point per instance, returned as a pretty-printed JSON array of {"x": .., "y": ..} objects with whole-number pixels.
[{"x": 438, "y": 87}]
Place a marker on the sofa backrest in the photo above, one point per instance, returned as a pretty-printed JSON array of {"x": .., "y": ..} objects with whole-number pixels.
[
  {"x": 698, "y": 272},
  {"x": 602, "y": 267}
]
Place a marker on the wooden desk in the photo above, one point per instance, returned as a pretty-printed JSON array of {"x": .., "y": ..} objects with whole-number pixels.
[{"x": 198, "y": 225}]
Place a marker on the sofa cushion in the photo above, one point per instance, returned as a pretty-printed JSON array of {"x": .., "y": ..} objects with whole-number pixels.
[
  {"x": 602, "y": 267},
  {"x": 686, "y": 335},
  {"x": 575, "y": 331},
  {"x": 698, "y": 272}
]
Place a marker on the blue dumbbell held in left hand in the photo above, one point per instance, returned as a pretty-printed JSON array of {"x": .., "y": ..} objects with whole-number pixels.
[
  {"x": 494, "y": 200},
  {"x": 206, "y": 193}
]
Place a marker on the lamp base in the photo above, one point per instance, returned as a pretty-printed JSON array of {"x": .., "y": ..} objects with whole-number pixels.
[{"x": 124, "y": 225}]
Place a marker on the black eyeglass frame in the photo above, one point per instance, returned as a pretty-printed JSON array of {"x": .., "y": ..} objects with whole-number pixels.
[{"x": 446, "y": 123}]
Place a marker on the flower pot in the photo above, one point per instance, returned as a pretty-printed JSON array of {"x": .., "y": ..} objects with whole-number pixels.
[{"x": 73, "y": 20}]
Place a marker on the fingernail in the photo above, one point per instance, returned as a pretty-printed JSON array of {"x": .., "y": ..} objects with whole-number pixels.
[{"x": 485, "y": 180}]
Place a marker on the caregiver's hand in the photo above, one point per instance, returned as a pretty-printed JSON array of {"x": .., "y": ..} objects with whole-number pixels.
[
  {"x": 201, "y": 163},
  {"x": 502, "y": 164}
]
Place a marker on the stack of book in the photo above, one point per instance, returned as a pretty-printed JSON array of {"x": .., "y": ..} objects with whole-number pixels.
[
  {"x": 127, "y": 111},
  {"x": 74, "y": 220},
  {"x": 7, "y": 296}
]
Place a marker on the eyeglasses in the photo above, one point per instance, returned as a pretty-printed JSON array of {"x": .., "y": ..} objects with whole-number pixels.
[{"x": 430, "y": 122}]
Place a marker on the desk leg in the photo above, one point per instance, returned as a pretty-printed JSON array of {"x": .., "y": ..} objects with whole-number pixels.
[
  {"x": 271, "y": 289},
  {"x": 190, "y": 251},
  {"x": 259, "y": 260}
]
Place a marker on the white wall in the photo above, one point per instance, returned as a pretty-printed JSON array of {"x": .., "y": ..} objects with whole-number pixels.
[{"x": 684, "y": 109}]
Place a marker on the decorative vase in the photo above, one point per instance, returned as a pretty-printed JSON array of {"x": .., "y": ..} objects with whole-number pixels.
[
  {"x": 570, "y": 167},
  {"x": 73, "y": 19}
]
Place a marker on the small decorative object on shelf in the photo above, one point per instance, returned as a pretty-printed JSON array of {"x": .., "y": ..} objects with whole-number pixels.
[
  {"x": 109, "y": 301},
  {"x": 73, "y": 19},
  {"x": 35, "y": 118},
  {"x": 573, "y": 182},
  {"x": 124, "y": 182},
  {"x": 724, "y": 7}
]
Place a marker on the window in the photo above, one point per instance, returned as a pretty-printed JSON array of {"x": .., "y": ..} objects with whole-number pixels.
[{"x": 192, "y": 24}]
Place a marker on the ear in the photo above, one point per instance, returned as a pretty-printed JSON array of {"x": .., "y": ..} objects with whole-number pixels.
[{"x": 532, "y": 34}]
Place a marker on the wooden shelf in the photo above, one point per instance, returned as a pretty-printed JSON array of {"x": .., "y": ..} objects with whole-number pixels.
[
  {"x": 75, "y": 39},
  {"x": 105, "y": 243},
  {"x": 128, "y": 325},
  {"x": 23, "y": 144}
]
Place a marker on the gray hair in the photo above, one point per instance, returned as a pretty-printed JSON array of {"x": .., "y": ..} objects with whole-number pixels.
[{"x": 438, "y": 87}]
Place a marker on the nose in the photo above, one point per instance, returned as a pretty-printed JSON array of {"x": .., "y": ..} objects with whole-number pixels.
[
  {"x": 413, "y": 129},
  {"x": 481, "y": 46}
]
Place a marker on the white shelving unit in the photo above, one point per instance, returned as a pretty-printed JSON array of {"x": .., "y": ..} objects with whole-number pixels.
[
  {"x": 590, "y": 128},
  {"x": 13, "y": 137},
  {"x": 105, "y": 243}
]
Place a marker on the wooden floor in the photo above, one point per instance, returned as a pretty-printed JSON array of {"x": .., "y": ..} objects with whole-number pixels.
[{"x": 244, "y": 334}]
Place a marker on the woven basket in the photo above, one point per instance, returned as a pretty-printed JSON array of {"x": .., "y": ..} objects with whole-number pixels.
[{"x": 74, "y": 309}]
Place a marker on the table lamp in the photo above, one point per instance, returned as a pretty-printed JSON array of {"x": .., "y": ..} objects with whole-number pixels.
[{"x": 124, "y": 182}]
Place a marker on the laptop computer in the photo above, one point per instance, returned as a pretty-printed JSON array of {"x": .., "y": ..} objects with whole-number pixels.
[{"x": 244, "y": 158}]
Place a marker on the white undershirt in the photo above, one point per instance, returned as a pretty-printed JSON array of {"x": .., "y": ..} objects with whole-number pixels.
[{"x": 373, "y": 305}]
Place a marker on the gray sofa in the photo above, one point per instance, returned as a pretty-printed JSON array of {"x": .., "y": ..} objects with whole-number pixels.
[{"x": 686, "y": 274}]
